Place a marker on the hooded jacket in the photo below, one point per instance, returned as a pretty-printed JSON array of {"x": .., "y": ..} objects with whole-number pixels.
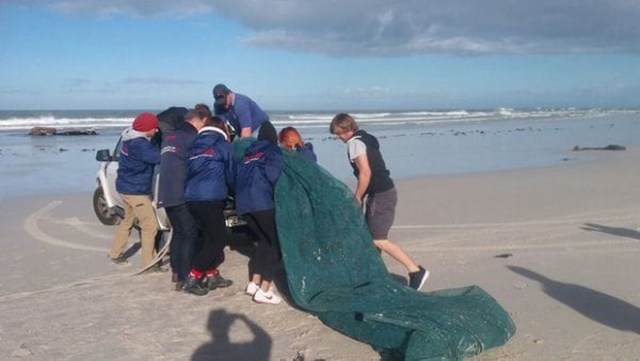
[
  {"x": 176, "y": 145},
  {"x": 256, "y": 176},
  {"x": 210, "y": 168},
  {"x": 137, "y": 159},
  {"x": 306, "y": 151}
]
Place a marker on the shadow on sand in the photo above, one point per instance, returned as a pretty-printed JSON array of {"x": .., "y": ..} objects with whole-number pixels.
[
  {"x": 616, "y": 231},
  {"x": 221, "y": 347},
  {"x": 600, "y": 307}
]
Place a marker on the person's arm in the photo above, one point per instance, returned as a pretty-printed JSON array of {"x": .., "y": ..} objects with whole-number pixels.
[
  {"x": 273, "y": 167},
  {"x": 245, "y": 132},
  {"x": 364, "y": 176},
  {"x": 149, "y": 153}
]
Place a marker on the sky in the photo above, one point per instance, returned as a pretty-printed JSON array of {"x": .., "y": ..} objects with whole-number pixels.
[{"x": 320, "y": 55}]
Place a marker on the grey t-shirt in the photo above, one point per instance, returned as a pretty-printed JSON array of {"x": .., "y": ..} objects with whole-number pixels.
[{"x": 356, "y": 148}]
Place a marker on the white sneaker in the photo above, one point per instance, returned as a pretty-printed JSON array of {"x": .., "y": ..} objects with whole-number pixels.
[
  {"x": 266, "y": 297},
  {"x": 251, "y": 289}
]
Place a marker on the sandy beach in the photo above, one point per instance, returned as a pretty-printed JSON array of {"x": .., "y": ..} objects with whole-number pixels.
[{"x": 558, "y": 247}]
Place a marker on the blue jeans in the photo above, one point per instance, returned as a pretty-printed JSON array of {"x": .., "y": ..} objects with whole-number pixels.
[{"x": 183, "y": 239}]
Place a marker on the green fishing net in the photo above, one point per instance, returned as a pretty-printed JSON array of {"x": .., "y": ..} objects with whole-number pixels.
[{"x": 335, "y": 272}]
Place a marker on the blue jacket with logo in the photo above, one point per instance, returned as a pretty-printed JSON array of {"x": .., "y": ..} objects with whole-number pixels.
[
  {"x": 210, "y": 168},
  {"x": 256, "y": 177},
  {"x": 244, "y": 113},
  {"x": 136, "y": 161},
  {"x": 173, "y": 164}
]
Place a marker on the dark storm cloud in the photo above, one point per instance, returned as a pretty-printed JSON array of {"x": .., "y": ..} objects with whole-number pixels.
[{"x": 387, "y": 28}]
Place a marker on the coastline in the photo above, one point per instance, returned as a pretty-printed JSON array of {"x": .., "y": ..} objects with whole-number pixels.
[{"x": 556, "y": 246}]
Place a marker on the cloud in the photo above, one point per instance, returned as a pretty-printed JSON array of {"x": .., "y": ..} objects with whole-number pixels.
[
  {"x": 161, "y": 81},
  {"x": 385, "y": 28},
  {"x": 390, "y": 28},
  {"x": 141, "y": 8},
  {"x": 372, "y": 92}
]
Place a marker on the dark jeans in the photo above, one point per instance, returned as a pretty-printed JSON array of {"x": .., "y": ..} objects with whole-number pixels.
[
  {"x": 209, "y": 217},
  {"x": 267, "y": 255},
  {"x": 183, "y": 238}
]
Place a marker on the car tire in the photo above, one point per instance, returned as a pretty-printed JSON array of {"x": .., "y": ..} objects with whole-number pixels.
[{"x": 101, "y": 208}]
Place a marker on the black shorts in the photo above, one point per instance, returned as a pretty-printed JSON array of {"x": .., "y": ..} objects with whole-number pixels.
[{"x": 380, "y": 213}]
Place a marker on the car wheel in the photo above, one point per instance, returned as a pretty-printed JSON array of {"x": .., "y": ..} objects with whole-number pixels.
[{"x": 101, "y": 208}]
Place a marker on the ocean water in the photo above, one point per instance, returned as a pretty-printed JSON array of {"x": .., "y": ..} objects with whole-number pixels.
[{"x": 414, "y": 143}]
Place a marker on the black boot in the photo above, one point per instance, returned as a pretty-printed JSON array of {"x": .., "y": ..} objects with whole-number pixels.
[
  {"x": 192, "y": 285},
  {"x": 217, "y": 281}
]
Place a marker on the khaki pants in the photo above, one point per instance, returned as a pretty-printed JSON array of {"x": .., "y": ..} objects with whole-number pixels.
[{"x": 140, "y": 208}]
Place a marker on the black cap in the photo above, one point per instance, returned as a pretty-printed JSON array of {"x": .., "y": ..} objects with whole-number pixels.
[{"x": 219, "y": 93}]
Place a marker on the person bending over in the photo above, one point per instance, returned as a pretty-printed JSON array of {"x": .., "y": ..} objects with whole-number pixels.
[
  {"x": 256, "y": 176},
  {"x": 375, "y": 183},
  {"x": 290, "y": 140},
  {"x": 210, "y": 175},
  {"x": 243, "y": 115},
  {"x": 136, "y": 162}
]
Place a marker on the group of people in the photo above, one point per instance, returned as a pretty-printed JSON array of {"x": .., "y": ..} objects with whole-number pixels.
[{"x": 198, "y": 173}]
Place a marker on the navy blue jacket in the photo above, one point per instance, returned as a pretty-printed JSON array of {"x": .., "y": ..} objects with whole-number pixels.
[
  {"x": 306, "y": 151},
  {"x": 137, "y": 159},
  {"x": 256, "y": 177},
  {"x": 210, "y": 170},
  {"x": 173, "y": 164},
  {"x": 244, "y": 113}
]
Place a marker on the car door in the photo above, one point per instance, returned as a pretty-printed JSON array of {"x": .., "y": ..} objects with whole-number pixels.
[{"x": 111, "y": 170}]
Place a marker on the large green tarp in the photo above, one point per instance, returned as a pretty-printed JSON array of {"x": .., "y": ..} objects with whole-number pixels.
[{"x": 335, "y": 272}]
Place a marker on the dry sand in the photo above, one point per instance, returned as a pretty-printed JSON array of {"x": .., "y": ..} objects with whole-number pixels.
[{"x": 557, "y": 247}]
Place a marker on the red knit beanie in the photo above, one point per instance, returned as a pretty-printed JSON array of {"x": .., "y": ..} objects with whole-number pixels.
[{"x": 145, "y": 122}]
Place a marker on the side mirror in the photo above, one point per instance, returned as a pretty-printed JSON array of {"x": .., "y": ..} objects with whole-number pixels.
[{"x": 103, "y": 155}]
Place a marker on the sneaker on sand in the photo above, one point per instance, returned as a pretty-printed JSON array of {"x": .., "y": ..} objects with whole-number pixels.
[
  {"x": 251, "y": 289},
  {"x": 119, "y": 260},
  {"x": 156, "y": 269},
  {"x": 266, "y": 297},
  {"x": 192, "y": 285},
  {"x": 178, "y": 286},
  {"x": 417, "y": 279},
  {"x": 217, "y": 281}
]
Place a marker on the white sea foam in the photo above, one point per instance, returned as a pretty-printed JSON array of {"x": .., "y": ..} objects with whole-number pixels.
[
  {"x": 20, "y": 123},
  {"x": 101, "y": 119}
]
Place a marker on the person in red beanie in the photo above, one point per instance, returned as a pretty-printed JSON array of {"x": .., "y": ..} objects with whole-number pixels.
[{"x": 136, "y": 162}]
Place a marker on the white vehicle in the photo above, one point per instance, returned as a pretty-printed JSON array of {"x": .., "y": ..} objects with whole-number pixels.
[{"x": 107, "y": 203}]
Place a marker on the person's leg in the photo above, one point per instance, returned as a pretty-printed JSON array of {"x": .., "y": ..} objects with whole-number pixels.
[
  {"x": 380, "y": 214},
  {"x": 184, "y": 233},
  {"x": 193, "y": 282},
  {"x": 266, "y": 223},
  {"x": 148, "y": 224},
  {"x": 396, "y": 252},
  {"x": 210, "y": 216},
  {"x": 256, "y": 260},
  {"x": 124, "y": 230}
]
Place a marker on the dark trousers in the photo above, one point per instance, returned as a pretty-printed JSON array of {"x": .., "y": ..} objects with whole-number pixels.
[
  {"x": 183, "y": 238},
  {"x": 267, "y": 255},
  {"x": 209, "y": 217}
]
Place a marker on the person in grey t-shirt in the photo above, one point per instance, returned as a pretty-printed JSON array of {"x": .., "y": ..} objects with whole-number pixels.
[{"x": 375, "y": 183}]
